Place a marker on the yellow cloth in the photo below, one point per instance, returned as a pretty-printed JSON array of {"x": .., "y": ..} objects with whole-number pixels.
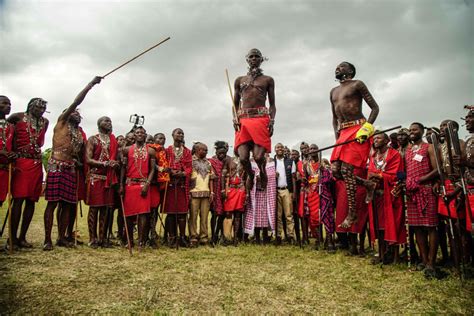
[
  {"x": 364, "y": 132},
  {"x": 202, "y": 184}
]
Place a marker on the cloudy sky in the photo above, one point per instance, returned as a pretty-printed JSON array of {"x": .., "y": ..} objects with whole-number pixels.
[{"x": 416, "y": 57}]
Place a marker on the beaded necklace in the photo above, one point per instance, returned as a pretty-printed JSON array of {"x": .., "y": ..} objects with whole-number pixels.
[
  {"x": 139, "y": 153},
  {"x": 34, "y": 128},
  {"x": 76, "y": 138},
  {"x": 104, "y": 140},
  {"x": 380, "y": 160},
  {"x": 3, "y": 126}
]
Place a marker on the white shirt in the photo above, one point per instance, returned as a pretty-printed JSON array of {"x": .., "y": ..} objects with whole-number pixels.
[{"x": 280, "y": 168}]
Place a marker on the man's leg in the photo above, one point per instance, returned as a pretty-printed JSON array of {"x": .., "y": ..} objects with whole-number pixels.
[
  {"x": 347, "y": 172},
  {"x": 203, "y": 219},
  {"x": 296, "y": 220},
  {"x": 261, "y": 160},
  {"x": 442, "y": 237},
  {"x": 16, "y": 210},
  {"x": 48, "y": 225},
  {"x": 287, "y": 209},
  {"x": 433, "y": 246},
  {"x": 72, "y": 221},
  {"x": 422, "y": 242},
  {"x": 193, "y": 214},
  {"x": 142, "y": 225},
  {"x": 92, "y": 225},
  {"x": 25, "y": 223},
  {"x": 102, "y": 226},
  {"x": 237, "y": 221},
  {"x": 63, "y": 225},
  {"x": 304, "y": 228},
  {"x": 182, "y": 230},
  {"x": 244, "y": 156},
  {"x": 353, "y": 244},
  {"x": 279, "y": 221}
]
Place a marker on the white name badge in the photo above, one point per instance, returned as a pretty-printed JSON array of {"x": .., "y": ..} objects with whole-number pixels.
[{"x": 418, "y": 157}]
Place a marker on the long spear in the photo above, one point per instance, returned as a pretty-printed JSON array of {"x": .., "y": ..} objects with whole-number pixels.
[
  {"x": 126, "y": 227},
  {"x": 355, "y": 139},
  {"x": 132, "y": 59},
  {"x": 9, "y": 198},
  {"x": 234, "y": 111}
]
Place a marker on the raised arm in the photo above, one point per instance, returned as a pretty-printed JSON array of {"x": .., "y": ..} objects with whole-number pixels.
[
  {"x": 271, "y": 98},
  {"x": 79, "y": 98},
  {"x": 237, "y": 93},
  {"x": 362, "y": 88},
  {"x": 334, "y": 116}
]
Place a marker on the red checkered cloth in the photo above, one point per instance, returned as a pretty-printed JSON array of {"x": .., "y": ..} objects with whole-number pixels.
[
  {"x": 217, "y": 166},
  {"x": 261, "y": 205},
  {"x": 61, "y": 185},
  {"x": 422, "y": 203}
]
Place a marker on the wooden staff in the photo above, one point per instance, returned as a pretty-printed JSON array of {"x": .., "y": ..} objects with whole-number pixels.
[
  {"x": 355, "y": 139},
  {"x": 163, "y": 205},
  {"x": 9, "y": 198},
  {"x": 77, "y": 201},
  {"x": 132, "y": 59},
  {"x": 234, "y": 111},
  {"x": 126, "y": 227}
]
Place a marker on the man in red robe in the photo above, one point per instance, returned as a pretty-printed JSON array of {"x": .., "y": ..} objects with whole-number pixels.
[
  {"x": 218, "y": 163},
  {"x": 137, "y": 172},
  {"x": 158, "y": 185},
  {"x": 387, "y": 220},
  {"x": 7, "y": 156},
  {"x": 62, "y": 185},
  {"x": 349, "y": 123},
  {"x": 254, "y": 125},
  {"x": 177, "y": 200},
  {"x": 101, "y": 159},
  {"x": 27, "y": 179}
]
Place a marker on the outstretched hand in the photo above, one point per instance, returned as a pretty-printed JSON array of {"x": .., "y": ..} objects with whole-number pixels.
[{"x": 96, "y": 80}]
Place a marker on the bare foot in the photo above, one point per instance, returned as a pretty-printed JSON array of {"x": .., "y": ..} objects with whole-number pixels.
[{"x": 347, "y": 223}]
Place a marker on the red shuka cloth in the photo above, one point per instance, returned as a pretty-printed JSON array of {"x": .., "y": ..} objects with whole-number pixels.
[
  {"x": 217, "y": 203},
  {"x": 254, "y": 130},
  {"x": 134, "y": 203},
  {"x": 470, "y": 218},
  {"x": 353, "y": 153},
  {"x": 311, "y": 194},
  {"x": 27, "y": 176},
  {"x": 342, "y": 207},
  {"x": 154, "y": 195},
  {"x": 177, "y": 198},
  {"x": 100, "y": 192},
  {"x": 3, "y": 160},
  {"x": 392, "y": 220},
  {"x": 442, "y": 209},
  {"x": 235, "y": 200}
]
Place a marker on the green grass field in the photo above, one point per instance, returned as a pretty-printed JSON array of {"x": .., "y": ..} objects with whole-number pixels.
[{"x": 247, "y": 279}]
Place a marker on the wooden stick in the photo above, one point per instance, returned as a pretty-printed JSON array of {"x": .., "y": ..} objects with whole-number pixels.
[
  {"x": 130, "y": 60},
  {"x": 126, "y": 227},
  {"x": 355, "y": 139},
  {"x": 163, "y": 204},
  {"x": 234, "y": 110},
  {"x": 9, "y": 199}
]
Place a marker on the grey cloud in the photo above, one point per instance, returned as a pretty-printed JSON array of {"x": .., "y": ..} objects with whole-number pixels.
[{"x": 416, "y": 57}]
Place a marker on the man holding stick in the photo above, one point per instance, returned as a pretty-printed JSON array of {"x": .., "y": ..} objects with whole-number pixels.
[
  {"x": 7, "y": 156},
  {"x": 29, "y": 130},
  {"x": 101, "y": 158},
  {"x": 137, "y": 171},
  {"x": 349, "y": 123},
  {"x": 62, "y": 179},
  {"x": 254, "y": 125}
]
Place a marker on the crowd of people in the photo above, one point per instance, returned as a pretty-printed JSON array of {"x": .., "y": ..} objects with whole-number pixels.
[{"x": 397, "y": 188}]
